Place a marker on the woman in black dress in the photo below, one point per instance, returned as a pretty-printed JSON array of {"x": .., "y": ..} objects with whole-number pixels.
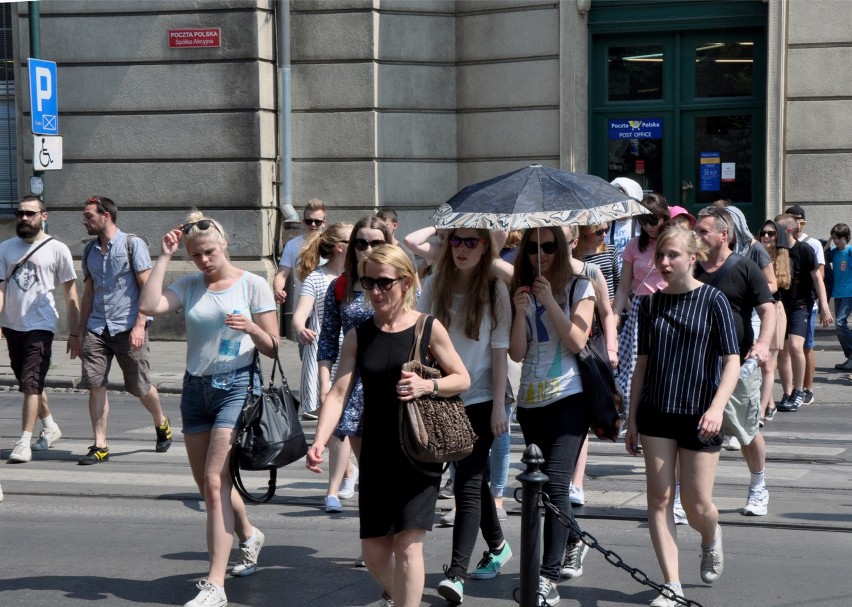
[{"x": 394, "y": 518}]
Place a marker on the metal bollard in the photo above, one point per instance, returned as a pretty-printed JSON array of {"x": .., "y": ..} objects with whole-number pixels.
[{"x": 532, "y": 479}]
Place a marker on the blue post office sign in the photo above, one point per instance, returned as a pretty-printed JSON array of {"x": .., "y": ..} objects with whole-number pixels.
[
  {"x": 642, "y": 128},
  {"x": 44, "y": 105}
]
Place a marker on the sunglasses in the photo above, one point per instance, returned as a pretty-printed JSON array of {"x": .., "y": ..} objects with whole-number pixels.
[
  {"x": 470, "y": 243},
  {"x": 767, "y": 233},
  {"x": 363, "y": 245},
  {"x": 26, "y": 214},
  {"x": 532, "y": 247},
  {"x": 600, "y": 232},
  {"x": 384, "y": 284},
  {"x": 203, "y": 225},
  {"x": 314, "y": 222},
  {"x": 649, "y": 220}
]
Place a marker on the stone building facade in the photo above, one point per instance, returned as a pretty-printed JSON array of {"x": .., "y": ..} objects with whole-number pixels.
[{"x": 403, "y": 102}]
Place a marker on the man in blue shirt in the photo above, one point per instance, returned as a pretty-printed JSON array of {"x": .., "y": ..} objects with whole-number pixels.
[
  {"x": 114, "y": 270},
  {"x": 840, "y": 258}
]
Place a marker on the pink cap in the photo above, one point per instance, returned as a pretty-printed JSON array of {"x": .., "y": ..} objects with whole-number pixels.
[{"x": 675, "y": 211}]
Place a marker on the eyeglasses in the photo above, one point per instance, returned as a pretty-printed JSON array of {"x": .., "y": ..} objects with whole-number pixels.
[
  {"x": 384, "y": 284},
  {"x": 532, "y": 247},
  {"x": 470, "y": 243},
  {"x": 362, "y": 244},
  {"x": 767, "y": 233},
  {"x": 314, "y": 222},
  {"x": 203, "y": 225},
  {"x": 648, "y": 220},
  {"x": 26, "y": 214}
]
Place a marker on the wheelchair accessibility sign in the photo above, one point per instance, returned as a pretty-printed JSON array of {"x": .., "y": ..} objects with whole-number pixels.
[
  {"x": 44, "y": 105},
  {"x": 47, "y": 153}
]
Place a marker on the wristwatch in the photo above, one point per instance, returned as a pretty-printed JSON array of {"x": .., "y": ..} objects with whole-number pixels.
[{"x": 435, "y": 387}]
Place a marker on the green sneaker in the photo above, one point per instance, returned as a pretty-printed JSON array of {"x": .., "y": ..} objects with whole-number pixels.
[
  {"x": 491, "y": 563},
  {"x": 452, "y": 589},
  {"x": 96, "y": 455}
]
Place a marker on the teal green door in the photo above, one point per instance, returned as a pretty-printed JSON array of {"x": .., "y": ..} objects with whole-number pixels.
[{"x": 682, "y": 113}]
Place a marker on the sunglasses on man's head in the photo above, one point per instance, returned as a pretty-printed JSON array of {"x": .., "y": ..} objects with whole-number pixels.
[
  {"x": 362, "y": 244},
  {"x": 767, "y": 233},
  {"x": 470, "y": 243},
  {"x": 26, "y": 214},
  {"x": 532, "y": 247},
  {"x": 314, "y": 222},
  {"x": 384, "y": 284},
  {"x": 203, "y": 225}
]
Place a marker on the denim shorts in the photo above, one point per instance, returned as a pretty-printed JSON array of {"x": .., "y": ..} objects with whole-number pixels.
[{"x": 203, "y": 407}]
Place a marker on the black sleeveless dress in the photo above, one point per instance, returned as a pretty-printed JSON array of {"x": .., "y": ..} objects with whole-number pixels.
[{"x": 392, "y": 496}]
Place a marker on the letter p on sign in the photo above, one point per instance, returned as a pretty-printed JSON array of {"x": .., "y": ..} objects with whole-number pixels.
[{"x": 44, "y": 105}]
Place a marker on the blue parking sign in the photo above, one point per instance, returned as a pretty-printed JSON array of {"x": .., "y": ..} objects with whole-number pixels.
[{"x": 44, "y": 106}]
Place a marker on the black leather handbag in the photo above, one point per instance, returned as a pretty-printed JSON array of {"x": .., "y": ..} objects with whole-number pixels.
[
  {"x": 601, "y": 396},
  {"x": 269, "y": 434}
]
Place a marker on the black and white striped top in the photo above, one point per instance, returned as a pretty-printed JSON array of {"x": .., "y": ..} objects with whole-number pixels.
[
  {"x": 684, "y": 335},
  {"x": 608, "y": 263}
]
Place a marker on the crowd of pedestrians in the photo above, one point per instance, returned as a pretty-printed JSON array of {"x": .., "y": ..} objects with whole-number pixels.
[{"x": 696, "y": 313}]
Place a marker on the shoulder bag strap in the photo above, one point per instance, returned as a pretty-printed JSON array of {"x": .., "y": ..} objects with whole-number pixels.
[
  {"x": 425, "y": 336},
  {"x": 416, "y": 347},
  {"x": 30, "y": 254},
  {"x": 732, "y": 260}
]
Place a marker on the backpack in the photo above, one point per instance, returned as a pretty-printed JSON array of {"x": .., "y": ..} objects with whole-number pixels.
[{"x": 91, "y": 244}]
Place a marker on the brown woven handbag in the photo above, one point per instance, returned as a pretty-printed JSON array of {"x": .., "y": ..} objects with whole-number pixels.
[{"x": 432, "y": 429}]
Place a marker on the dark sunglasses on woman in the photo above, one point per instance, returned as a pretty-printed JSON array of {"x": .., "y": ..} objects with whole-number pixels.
[
  {"x": 384, "y": 284},
  {"x": 203, "y": 226},
  {"x": 767, "y": 234},
  {"x": 648, "y": 220},
  {"x": 470, "y": 243},
  {"x": 363, "y": 245},
  {"x": 532, "y": 247}
]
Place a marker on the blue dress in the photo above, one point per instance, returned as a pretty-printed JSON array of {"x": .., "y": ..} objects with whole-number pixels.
[{"x": 341, "y": 316}]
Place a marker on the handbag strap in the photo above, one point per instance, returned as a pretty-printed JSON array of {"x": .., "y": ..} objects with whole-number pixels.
[
  {"x": 240, "y": 486},
  {"x": 422, "y": 332},
  {"x": 256, "y": 367},
  {"x": 20, "y": 264}
]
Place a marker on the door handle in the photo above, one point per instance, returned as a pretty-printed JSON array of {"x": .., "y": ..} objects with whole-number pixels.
[{"x": 685, "y": 186}]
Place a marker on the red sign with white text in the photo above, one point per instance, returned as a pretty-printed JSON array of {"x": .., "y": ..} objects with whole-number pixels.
[{"x": 207, "y": 37}]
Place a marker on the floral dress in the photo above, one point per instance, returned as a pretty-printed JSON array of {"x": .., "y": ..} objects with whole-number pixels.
[{"x": 340, "y": 317}]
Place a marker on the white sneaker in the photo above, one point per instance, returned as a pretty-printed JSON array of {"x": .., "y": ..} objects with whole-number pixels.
[
  {"x": 664, "y": 601},
  {"x": 46, "y": 439},
  {"x": 247, "y": 555},
  {"x": 712, "y": 560},
  {"x": 731, "y": 443},
  {"x": 679, "y": 513},
  {"x": 758, "y": 501},
  {"x": 21, "y": 452},
  {"x": 208, "y": 596},
  {"x": 576, "y": 495},
  {"x": 1, "y": 494},
  {"x": 347, "y": 487}
]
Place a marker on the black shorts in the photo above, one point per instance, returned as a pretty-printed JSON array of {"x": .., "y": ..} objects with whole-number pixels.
[
  {"x": 29, "y": 355},
  {"x": 797, "y": 320},
  {"x": 681, "y": 428}
]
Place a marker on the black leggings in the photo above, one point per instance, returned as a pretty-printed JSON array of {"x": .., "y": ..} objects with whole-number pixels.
[
  {"x": 559, "y": 430},
  {"x": 475, "y": 508}
]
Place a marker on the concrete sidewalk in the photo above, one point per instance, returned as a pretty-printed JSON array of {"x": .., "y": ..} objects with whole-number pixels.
[{"x": 168, "y": 362}]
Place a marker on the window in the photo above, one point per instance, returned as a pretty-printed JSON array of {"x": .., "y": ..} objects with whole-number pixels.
[{"x": 8, "y": 140}]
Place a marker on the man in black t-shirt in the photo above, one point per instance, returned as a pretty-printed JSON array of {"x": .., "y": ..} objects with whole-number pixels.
[
  {"x": 798, "y": 301},
  {"x": 746, "y": 289}
]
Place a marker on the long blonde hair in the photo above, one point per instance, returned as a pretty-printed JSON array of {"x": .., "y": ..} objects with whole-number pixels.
[
  {"x": 321, "y": 245},
  {"x": 480, "y": 291},
  {"x": 780, "y": 256},
  {"x": 393, "y": 256}
]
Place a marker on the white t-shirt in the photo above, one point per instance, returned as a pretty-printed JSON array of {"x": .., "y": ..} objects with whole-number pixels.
[
  {"x": 29, "y": 304},
  {"x": 550, "y": 371},
  {"x": 205, "y": 310},
  {"x": 476, "y": 355}
]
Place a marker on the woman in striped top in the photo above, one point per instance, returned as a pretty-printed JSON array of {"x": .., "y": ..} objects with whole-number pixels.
[
  {"x": 679, "y": 397},
  {"x": 592, "y": 248}
]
